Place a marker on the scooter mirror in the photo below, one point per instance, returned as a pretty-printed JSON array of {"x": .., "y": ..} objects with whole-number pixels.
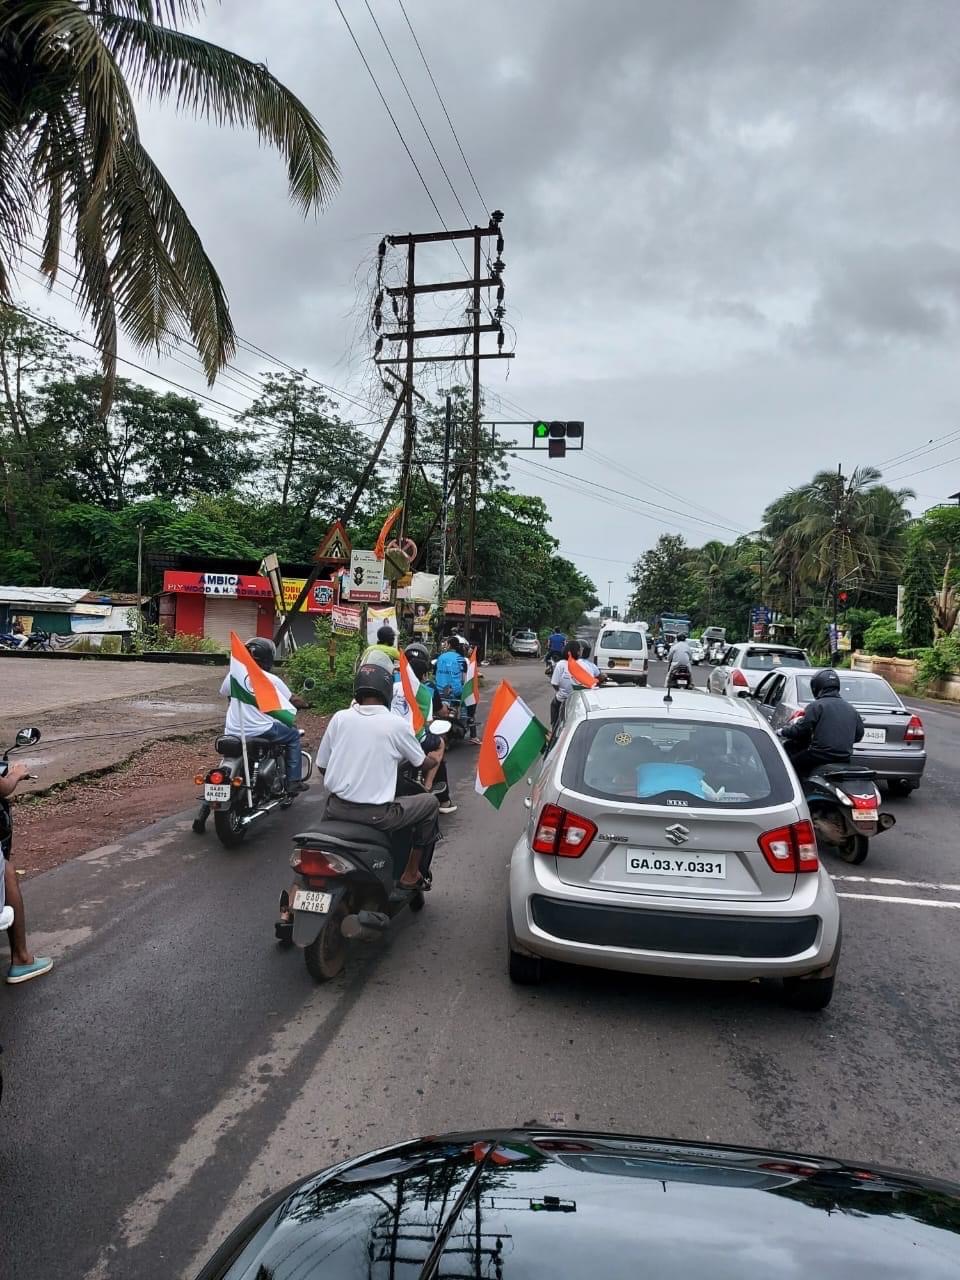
[
  {"x": 308, "y": 684},
  {"x": 27, "y": 737},
  {"x": 440, "y": 727}
]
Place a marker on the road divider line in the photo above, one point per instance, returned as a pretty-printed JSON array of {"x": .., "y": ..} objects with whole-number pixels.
[
  {"x": 899, "y": 884},
  {"x": 906, "y": 902}
]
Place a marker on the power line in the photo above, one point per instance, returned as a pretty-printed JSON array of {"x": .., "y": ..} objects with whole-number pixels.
[
  {"x": 426, "y": 131},
  {"x": 909, "y": 454},
  {"x": 423, "y": 56}
]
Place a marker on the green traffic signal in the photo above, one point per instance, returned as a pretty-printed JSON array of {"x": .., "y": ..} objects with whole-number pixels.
[{"x": 541, "y": 430}]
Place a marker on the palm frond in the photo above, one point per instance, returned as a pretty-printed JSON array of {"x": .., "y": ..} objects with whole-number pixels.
[{"x": 214, "y": 82}]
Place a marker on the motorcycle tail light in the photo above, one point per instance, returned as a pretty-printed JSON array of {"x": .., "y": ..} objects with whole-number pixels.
[
  {"x": 914, "y": 732},
  {"x": 791, "y": 850},
  {"x": 216, "y": 777},
  {"x": 561, "y": 833},
  {"x": 313, "y": 862},
  {"x": 866, "y": 802}
]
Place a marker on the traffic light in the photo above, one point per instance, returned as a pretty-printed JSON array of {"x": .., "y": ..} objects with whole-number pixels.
[
  {"x": 557, "y": 435},
  {"x": 541, "y": 430}
]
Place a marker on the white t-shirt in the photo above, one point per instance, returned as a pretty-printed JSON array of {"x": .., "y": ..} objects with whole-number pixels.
[
  {"x": 562, "y": 681},
  {"x": 246, "y": 714},
  {"x": 360, "y": 752}
]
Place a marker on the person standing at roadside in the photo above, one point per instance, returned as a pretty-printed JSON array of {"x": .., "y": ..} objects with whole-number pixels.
[{"x": 24, "y": 965}]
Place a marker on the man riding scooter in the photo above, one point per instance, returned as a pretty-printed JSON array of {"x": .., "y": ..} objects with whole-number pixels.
[
  {"x": 358, "y": 759},
  {"x": 679, "y": 658},
  {"x": 827, "y": 731}
]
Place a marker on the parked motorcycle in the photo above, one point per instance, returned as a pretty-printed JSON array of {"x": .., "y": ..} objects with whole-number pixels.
[
  {"x": 347, "y": 889},
  {"x": 679, "y": 677},
  {"x": 844, "y": 802},
  {"x": 27, "y": 641},
  {"x": 237, "y": 802}
]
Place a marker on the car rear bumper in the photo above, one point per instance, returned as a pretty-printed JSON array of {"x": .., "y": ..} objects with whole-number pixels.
[
  {"x": 675, "y": 937},
  {"x": 907, "y": 763},
  {"x": 621, "y": 675}
]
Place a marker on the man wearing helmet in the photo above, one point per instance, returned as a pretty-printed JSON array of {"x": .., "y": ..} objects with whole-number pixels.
[
  {"x": 358, "y": 758},
  {"x": 828, "y": 729},
  {"x": 257, "y": 725},
  {"x": 434, "y": 776}
]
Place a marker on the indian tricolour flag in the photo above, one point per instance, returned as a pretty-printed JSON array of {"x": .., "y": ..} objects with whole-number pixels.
[
  {"x": 512, "y": 740},
  {"x": 418, "y": 696},
  {"x": 580, "y": 675},
  {"x": 251, "y": 684},
  {"x": 471, "y": 686}
]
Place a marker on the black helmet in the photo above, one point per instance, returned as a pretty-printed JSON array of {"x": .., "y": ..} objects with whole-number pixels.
[
  {"x": 418, "y": 655},
  {"x": 262, "y": 651},
  {"x": 374, "y": 680},
  {"x": 825, "y": 682}
]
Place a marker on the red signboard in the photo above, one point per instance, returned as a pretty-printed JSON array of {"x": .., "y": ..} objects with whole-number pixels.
[{"x": 239, "y": 586}]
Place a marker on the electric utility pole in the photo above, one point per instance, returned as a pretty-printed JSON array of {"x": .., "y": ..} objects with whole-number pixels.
[
  {"x": 835, "y": 556},
  {"x": 409, "y": 335}
]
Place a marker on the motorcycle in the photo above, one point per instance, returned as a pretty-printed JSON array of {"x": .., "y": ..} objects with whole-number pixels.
[
  {"x": 453, "y": 714},
  {"x": 30, "y": 640},
  {"x": 844, "y": 803},
  {"x": 347, "y": 886},
  {"x": 237, "y": 802},
  {"x": 660, "y": 651},
  {"x": 550, "y": 662},
  {"x": 679, "y": 677}
]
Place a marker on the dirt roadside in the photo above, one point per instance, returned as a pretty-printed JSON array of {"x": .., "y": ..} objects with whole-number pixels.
[{"x": 87, "y": 812}]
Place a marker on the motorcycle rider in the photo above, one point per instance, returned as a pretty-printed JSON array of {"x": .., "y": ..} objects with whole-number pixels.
[
  {"x": 358, "y": 759},
  {"x": 451, "y": 668},
  {"x": 257, "y": 725},
  {"x": 680, "y": 655},
  {"x": 828, "y": 729},
  {"x": 556, "y": 643},
  {"x": 435, "y": 776},
  {"x": 24, "y": 965},
  {"x": 562, "y": 682},
  {"x": 386, "y": 643}
]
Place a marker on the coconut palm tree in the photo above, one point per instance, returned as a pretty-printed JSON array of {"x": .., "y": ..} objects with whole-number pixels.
[{"x": 72, "y": 161}]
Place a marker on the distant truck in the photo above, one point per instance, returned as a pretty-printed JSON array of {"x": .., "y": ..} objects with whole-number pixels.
[{"x": 672, "y": 626}]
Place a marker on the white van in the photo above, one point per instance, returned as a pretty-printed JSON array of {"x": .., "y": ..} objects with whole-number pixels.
[{"x": 621, "y": 652}]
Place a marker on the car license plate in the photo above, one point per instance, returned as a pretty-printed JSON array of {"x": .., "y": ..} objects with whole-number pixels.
[
  {"x": 874, "y": 735},
  {"x": 217, "y": 792},
  {"x": 621, "y": 662},
  {"x": 311, "y": 900},
  {"x": 711, "y": 866}
]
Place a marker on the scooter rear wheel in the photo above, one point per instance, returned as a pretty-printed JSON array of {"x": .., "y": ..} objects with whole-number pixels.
[
  {"x": 854, "y": 849},
  {"x": 327, "y": 953}
]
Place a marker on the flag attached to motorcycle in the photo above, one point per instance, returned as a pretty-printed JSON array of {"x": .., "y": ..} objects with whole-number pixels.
[
  {"x": 250, "y": 684},
  {"x": 512, "y": 740},
  {"x": 417, "y": 695},
  {"x": 471, "y": 685}
]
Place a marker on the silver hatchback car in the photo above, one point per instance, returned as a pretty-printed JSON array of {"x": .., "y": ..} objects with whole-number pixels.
[{"x": 672, "y": 838}]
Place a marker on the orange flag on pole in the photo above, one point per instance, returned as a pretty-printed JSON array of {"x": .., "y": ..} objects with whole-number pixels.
[
  {"x": 580, "y": 675},
  {"x": 380, "y": 550}
]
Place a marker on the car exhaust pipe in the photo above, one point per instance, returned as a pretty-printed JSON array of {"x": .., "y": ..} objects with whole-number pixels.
[{"x": 366, "y": 926}]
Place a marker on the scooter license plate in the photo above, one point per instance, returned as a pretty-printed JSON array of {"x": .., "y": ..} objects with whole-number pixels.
[
  {"x": 218, "y": 792},
  {"x": 311, "y": 900}
]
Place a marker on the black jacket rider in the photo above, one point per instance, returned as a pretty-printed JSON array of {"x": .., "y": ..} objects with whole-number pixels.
[{"x": 829, "y": 727}]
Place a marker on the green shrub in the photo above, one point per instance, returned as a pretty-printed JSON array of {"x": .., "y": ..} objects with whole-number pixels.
[
  {"x": 152, "y": 638},
  {"x": 881, "y": 638},
  {"x": 938, "y": 663},
  {"x": 332, "y": 690}
]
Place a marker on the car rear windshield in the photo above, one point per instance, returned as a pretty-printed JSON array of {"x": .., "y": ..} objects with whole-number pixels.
[
  {"x": 524, "y": 635},
  {"x": 622, "y": 640},
  {"x": 855, "y": 688},
  {"x": 773, "y": 659},
  {"x": 682, "y": 762}
]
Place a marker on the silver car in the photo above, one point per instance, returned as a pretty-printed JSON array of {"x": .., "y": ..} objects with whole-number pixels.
[
  {"x": 525, "y": 643},
  {"x": 894, "y": 743},
  {"x": 745, "y": 665},
  {"x": 672, "y": 838}
]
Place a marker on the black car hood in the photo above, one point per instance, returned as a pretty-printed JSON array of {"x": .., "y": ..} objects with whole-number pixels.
[{"x": 546, "y": 1203}]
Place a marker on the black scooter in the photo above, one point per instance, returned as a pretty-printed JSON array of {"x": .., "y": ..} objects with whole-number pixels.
[
  {"x": 347, "y": 877},
  {"x": 844, "y": 802},
  {"x": 679, "y": 677}
]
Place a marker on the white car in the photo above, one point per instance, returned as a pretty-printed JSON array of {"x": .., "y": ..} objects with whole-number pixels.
[
  {"x": 745, "y": 665},
  {"x": 524, "y": 643}
]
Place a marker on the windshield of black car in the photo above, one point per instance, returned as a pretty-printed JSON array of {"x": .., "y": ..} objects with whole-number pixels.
[
  {"x": 855, "y": 688},
  {"x": 688, "y": 762},
  {"x": 773, "y": 659},
  {"x": 622, "y": 640}
]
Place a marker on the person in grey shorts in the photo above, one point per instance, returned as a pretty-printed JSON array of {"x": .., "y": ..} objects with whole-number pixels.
[{"x": 358, "y": 758}]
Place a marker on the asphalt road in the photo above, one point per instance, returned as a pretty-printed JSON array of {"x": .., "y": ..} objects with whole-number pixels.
[{"x": 176, "y": 1067}]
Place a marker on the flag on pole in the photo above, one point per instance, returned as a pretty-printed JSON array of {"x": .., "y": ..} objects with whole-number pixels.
[
  {"x": 512, "y": 740},
  {"x": 380, "y": 550},
  {"x": 471, "y": 686},
  {"x": 418, "y": 696},
  {"x": 251, "y": 684},
  {"x": 580, "y": 675}
]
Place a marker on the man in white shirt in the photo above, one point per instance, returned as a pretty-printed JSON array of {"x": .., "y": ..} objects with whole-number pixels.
[
  {"x": 257, "y": 725},
  {"x": 358, "y": 758},
  {"x": 562, "y": 681}
]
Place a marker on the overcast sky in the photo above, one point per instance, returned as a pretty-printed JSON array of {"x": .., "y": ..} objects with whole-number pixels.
[{"x": 731, "y": 232}]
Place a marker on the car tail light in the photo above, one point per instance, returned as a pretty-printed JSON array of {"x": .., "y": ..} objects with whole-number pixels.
[
  {"x": 738, "y": 678},
  {"x": 315, "y": 863},
  {"x": 914, "y": 731},
  {"x": 561, "y": 833},
  {"x": 216, "y": 777},
  {"x": 792, "y": 849}
]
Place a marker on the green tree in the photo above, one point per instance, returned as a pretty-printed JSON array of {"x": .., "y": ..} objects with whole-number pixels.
[
  {"x": 942, "y": 527},
  {"x": 72, "y": 156},
  {"x": 919, "y": 585},
  {"x": 663, "y": 579}
]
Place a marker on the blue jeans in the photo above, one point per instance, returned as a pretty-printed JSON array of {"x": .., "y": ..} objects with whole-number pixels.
[{"x": 290, "y": 737}]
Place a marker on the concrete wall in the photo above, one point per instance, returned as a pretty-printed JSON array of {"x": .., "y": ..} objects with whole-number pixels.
[{"x": 903, "y": 671}]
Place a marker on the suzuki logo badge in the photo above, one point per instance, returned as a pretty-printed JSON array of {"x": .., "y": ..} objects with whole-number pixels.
[{"x": 678, "y": 834}]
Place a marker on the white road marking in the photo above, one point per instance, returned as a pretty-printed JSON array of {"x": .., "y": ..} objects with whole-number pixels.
[
  {"x": 900, "y": 884},
  {"x": 907, "y": 902}
]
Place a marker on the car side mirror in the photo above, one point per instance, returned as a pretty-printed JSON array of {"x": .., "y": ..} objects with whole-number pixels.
[
  {"x": 744, "y": 693},
  {"x": 27, "y": 737}
]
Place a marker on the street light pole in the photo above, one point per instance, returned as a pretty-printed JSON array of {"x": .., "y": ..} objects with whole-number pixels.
[{"x": 609, "y": 591}]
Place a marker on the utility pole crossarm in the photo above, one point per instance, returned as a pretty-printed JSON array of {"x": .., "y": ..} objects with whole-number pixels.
[
  {"x": 436, "y": 237},
  {"x": 459, "y": 331},
  {"x": 446, "y": 286},
  {"x": 484, "y": 355}
]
